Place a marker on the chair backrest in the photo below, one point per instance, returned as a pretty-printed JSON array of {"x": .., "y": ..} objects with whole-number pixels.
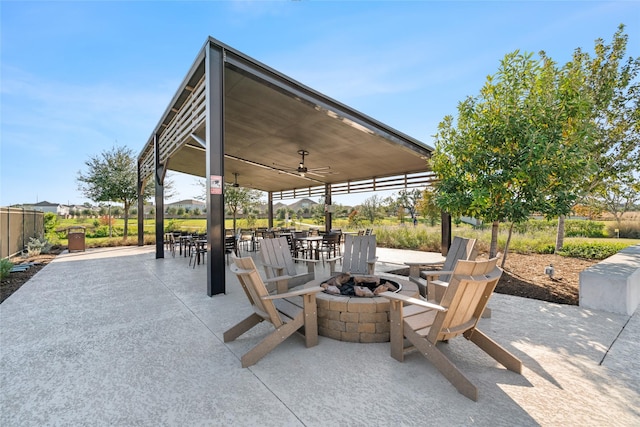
[
  {"x": 357, "y": 251},
  {"x": 255, "y": 289},
  {"x": 466, "y": 297},
  {"x": 330, "y": 239},
  {"x": 277, "y": 251},
  {"x": 461, "y": 249},
  {"x": 231, "y": 244}
]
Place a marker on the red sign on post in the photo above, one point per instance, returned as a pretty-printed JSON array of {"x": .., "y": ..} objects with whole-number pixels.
[{"x": 216, "y": 184}]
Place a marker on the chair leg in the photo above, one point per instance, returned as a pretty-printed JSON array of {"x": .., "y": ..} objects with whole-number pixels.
[
  {"x": 242, "y": 327},
  {"x": 444, "y": 365},
  {"x": 495, "y": 350},
  {"x": 311, "y": 322},
  {"x": 270, "y": 342},
  {"x": 396, "y": 330}
]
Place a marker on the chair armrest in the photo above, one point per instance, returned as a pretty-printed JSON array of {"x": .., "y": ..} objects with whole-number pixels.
[
  {"x": 303, "y": 291},
  {"x": 277, "y": 279},
  {"x": 334, "y": 259},
  {"x": 412, "y": 300},
  {"x": 439, "y": 283},
  {"x": 423, "y": 264},
  {"x": 435, "y": 272},
  {"x": 372, "y": 260},
  {"x": 313, "y": 261}
]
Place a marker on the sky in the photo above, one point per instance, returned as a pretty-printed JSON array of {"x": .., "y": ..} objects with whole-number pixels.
[{"x": 78, "y": 78}]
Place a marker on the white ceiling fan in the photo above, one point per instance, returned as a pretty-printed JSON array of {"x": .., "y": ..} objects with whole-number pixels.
[{"x": 303, "y": 170}]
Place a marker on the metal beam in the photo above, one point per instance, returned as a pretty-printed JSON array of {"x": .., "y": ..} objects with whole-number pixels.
[
  {"x": 140, "y": 207},
  {"x": 214, "y": 81},
  {"x": 159, "y": 186}
]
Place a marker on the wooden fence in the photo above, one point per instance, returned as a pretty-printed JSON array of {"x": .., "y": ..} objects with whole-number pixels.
[{"x": 17, "y": 225}]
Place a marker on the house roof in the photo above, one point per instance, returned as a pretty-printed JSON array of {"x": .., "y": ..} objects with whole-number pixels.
[{"x": 268, "y": 119}]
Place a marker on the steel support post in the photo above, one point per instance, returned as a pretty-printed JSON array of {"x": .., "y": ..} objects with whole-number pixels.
[{"x": 214, "y": 80}]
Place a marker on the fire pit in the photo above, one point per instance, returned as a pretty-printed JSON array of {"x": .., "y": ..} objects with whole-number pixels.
[
  {"x": 354, "y": 318},
  {"x": 365, "y": 286}
]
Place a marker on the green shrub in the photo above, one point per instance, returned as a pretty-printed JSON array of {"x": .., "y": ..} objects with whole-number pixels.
[
  {"x": 50, "y": 223},
  {"x": 102, "y": 231},
  {"x": 38, "y": 246},
  {"x": 414, "y": 238},
  {"x": 5, "y": 267},
  {"x": 534, "y": 225},
  {"x": 592, "y": 250},
  {"x": 572, "y": 227},
  {"x": 582, "y": 228}
]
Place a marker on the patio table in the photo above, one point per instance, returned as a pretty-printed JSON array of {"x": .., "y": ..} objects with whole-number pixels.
[{"x": 312, "y": 245}]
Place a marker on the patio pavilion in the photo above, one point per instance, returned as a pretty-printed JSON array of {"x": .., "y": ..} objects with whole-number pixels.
[{"x": 236, "y": 120}]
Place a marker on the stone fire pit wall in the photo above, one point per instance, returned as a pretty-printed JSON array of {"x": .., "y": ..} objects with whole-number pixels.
[{"x": 355, "y": 319}]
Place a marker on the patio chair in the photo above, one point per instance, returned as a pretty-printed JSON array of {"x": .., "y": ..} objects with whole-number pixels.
[
  {"x": 231, "y": 246},
  {"x": 288, "y": 312},
  {"x": 171, "y": 243},
  {"x": 431, "y": 281},
  {"x": 197, "y": 250},
  {"x": 330, "y": 246},
  {"x": 280, "y": 266},
  {"x": 425, "y": 324},
  {"x": 358, "y": 256}
]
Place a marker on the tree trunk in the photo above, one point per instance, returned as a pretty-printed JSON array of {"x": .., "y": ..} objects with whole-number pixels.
[
  {"x": 493, "y": 248},
  {"x": 126, "y": 220},
  {"x": 506, "y": 247},
  {"x": 560, "y": 235}
]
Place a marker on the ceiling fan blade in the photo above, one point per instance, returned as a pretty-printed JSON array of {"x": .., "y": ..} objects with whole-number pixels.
[{"x": 322, "y": 172}]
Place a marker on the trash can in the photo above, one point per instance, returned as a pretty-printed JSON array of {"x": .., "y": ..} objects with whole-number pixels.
[{"x": 76, "y": 237}]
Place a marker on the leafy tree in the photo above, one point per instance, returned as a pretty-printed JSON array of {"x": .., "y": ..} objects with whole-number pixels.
[
  {"x": 370, "y": 208},
  {"x": 613, "y": 85},
  {"x": 354, "y": 219},
  {"x": 238, "y": 199},
  {"x": 409, "y": 200},
  {"x": 111, "y": 176},
  {"x": 515, "y": 145},
  {"x": 617, "y": 195},
  {"x": 391, "y": 207},
  {"x": 427, "y": 207},
  {"x": 317, "y": 212}
]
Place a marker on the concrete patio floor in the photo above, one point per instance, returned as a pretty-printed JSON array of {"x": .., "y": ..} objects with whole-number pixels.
[{"x": 117, "y": 337}]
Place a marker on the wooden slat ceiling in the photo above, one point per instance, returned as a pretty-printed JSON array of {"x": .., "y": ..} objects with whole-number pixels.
[{"x": 267, "y": 121}]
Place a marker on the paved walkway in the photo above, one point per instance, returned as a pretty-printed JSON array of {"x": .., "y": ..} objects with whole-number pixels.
[{"x": 117, "y": 337}]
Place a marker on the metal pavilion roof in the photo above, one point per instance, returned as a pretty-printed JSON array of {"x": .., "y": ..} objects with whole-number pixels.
[{"x": 268, "y": 118}]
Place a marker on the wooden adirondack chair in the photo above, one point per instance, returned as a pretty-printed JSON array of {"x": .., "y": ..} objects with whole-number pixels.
[
  {"x": 424, "y": 324},
  {"x": 280, "y": 266},
  {"x": 358, "y": 256},
  {"x": 288, "y": 312},
  {"x": 432, "y": 282}
]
